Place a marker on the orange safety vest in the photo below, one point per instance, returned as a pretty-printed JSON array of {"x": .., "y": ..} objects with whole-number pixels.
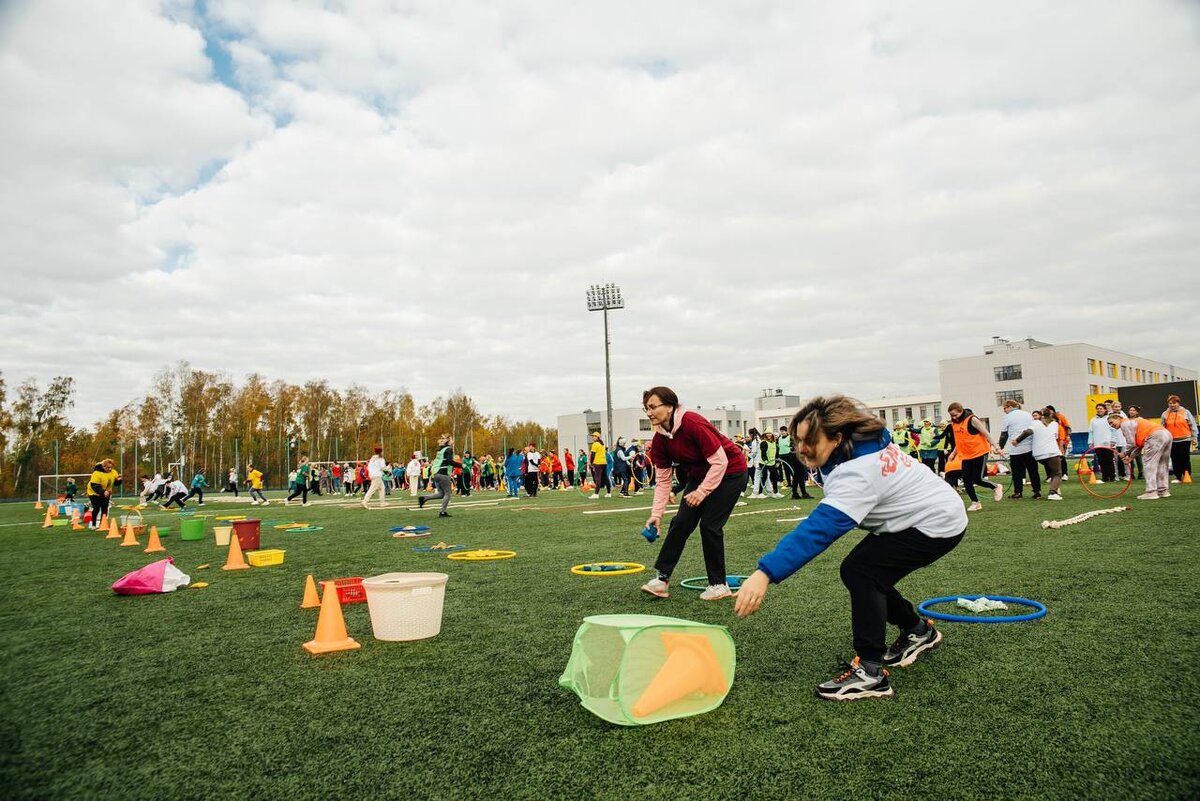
[
  {"x": 1177, "y": 424},
  {"x": 1144, "y": 429},
  {"x": 969, "y": 444},
  {"x": 1063, "y": 424}
]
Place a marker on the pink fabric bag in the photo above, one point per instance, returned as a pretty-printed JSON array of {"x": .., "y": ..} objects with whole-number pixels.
[{"x": 160, "y": 576}]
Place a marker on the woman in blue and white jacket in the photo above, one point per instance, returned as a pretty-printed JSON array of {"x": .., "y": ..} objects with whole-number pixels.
[{"x": 913, "y": 519}]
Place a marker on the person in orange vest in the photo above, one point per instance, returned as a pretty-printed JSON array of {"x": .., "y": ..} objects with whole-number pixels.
[
  {"x": 1153, "y": 443},
  {"x": 972, "y": 442},
  {"x": 1182, "y": 427}
]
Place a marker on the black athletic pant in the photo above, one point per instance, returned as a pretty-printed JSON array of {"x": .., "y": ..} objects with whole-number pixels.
[
  {"x": 99, "y": 508},
  {"x": 972, "y": 474},
  {"x": 600, "y": 478},
  {"x": 1181, "y": 459},
  {"x": 870, "y": 572},
  {"x": 531, "y": 483},
  {"x": 176, "y": 498},
  {"x": 231, "y": 487},
  {"x": 1024, "y": 465},
  {"x": 1104, "y": 461},
  {"x": 196, "y": 491},
  {"x": 710, "y": 515},
  {"x": 301, "y": 488}
]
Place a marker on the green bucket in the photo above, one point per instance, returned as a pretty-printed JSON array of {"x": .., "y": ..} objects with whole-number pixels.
[{"x": 191, "y": 529}]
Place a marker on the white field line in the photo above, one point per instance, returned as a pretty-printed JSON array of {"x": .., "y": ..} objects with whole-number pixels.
[
  {"x": 791, "y": 519},
  {"x": 760, "y": 512}
]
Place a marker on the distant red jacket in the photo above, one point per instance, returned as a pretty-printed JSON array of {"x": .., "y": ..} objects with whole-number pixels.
[{"x": 569, "y": 461}]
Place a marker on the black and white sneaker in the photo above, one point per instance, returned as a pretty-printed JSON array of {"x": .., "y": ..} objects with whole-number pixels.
[
  {"x": 856, "y": 683},
  {"x": 908, "y": 647}
]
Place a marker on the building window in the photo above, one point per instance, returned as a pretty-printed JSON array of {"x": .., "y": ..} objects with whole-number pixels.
[
  {"x": 1093, "y": 389},
  {"x": 937, "y": 411},
  {"x": 594, "y": 428},
  {"x": 716, "y": 424},
  {"x": 643, "y": 424},
  {"x": 895, "y": 415},
  {"x": 1124, "y": 373},
  {"x": 908, "y": 415},
  {"x": 1010, "y": 394},
  {"x": 1092, "y": 367},
  {"x": 1112, "y": 370},
  {"x": 924, "y": 412},
  {"x": 1008, "y": 372},
  {"x": 882, "y": 414}
]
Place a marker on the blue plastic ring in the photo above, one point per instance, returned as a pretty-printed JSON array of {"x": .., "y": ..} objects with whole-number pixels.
[{"x": 1039, "y": 609}]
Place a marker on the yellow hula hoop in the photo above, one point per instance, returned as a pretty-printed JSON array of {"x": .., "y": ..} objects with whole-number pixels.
[
  {"x": 480, "y": 556},
  {"x": 629, "y": 567}
]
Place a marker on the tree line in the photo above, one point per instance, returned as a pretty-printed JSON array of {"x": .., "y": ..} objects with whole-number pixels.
[{"x": 202, "y": 420}]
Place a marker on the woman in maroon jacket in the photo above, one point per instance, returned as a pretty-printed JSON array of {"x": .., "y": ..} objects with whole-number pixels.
[{"x": 713, "y": 475}]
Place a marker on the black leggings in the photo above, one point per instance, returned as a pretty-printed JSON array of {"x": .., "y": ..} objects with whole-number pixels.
[
  {"x": 710, "y": 515},
  {"x": 870, "y": 572},
  {"x": 198, "y": 492},
  {"x": 1181, "y": 459},
  {"x": 600, "y": 478},
  {"x": 972, "y": 474},
  {"x": 99, "y": 508},
  {"x": 176, "y": 498},
  {"x": 531, "y": 483},
  {"x": 301, "y": 489}
]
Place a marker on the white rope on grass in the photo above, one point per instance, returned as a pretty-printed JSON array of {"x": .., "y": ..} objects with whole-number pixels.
[{"x": 1070, "y": 521}]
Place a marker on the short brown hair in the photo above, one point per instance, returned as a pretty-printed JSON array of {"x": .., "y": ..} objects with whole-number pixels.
[
  {"x": 1172, "y": 399},
  {"x": 665, "y": 394},
  {"x": 833, "y": 415},
  {"x": 954, "y": 407}
]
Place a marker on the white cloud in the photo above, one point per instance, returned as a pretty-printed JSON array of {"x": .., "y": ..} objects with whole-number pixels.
[{"x": 806, "y": 195}]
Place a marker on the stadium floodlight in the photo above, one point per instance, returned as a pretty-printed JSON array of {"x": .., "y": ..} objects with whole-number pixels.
[{"x": 602, "y": 297}]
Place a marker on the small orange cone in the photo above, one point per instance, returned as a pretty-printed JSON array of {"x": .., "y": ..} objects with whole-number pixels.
[
  {"x": 114, "y": 533},
  {"x": 130, "y": 537},
  {"x": 38, "y": 506},
  {"x": 154, "y": 545},
  {"x": 1083, "y": 468},
  {"x": 1187, "y": 478},
  {"x": 1091, "y": 476},
  {"x": 311, "y": 599},
  {"x": 691, "y": 666},
  {"x": 52, "y": 510},
  {"x": 74, "y": 517},
  {"x": 331, "y": 626},
  {"x": 48, "y": 522},
  {"x": 103, "y": 524},
  {"x": 235, "y": 560}
]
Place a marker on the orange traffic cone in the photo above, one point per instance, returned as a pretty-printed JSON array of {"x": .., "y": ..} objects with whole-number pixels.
[
  {"x": 691, "y": 667},
  {"x": 52, "y": 510},
  {"x": 1083, "y": 468},
  {"x": 74, "y": 516},
  {"x": 153, "y": 545},
  {"x": 331, "y": 626},
  {"x": 130, "y": 537},
  {"x": 1187, "y": 478},
  {"x": 103, "y": 524},
  {"x": 235, "y": 560},
  {"x": 47, "y": 523},
  {"x": 38, "y": 506},
  {"x": 311, "y": 599},
  {"x": 1092, "y": 477},
  {"x": 114, "y": 533}
]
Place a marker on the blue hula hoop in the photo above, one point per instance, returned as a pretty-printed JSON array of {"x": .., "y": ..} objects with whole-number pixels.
[{"x": 1039, "y": 610}]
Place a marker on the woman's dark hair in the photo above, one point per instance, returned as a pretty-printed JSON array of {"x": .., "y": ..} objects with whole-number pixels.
[
  {"x": 511, "y": 451},
  {"x": 665, "y": 394},
  {"x": 833, "y": 415},
  {"x": 754, "y": 432}
]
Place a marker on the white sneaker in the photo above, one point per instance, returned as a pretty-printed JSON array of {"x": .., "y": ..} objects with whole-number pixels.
[
  {"x": 975, "y": 507},
  {"x": 716, "y": 592},
  {"x": 1164, "y": 495},
  {"x": 254, "y": 503},
  {"x": 1174, "y": 481},
  {"x": 593, "y": 496},
  {"x": 757, "y": 495},
  {"x": 777, "y": 495},
  {"x": 304, "y": 504},
  {"x": 286, "y": 502},
  {"x": 1098, "y": 481},
  {"x": 1148, "y": 496},
  {"x": 266, "y": 503},
  {"x": 1054, "y": 496},
  {"x": 998, "y": 493},
  {"x": 656, "y": 587}
]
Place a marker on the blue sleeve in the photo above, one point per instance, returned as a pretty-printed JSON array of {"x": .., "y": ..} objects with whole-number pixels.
[{"x": 803, "y": 543}]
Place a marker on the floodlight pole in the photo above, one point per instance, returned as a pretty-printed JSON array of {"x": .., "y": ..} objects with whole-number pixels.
[{"x": 602, "y": 297}]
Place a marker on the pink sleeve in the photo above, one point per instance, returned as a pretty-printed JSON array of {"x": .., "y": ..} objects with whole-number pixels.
[
  {"x": 662, "y": 490},
  {"x": 718, "y": 461}
]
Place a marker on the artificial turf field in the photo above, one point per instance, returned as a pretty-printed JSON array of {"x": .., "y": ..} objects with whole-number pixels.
[{"x": 207, "y": 693}]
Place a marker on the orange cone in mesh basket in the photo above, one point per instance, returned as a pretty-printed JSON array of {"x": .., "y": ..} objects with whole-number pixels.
[
  {"x": 154, "y": 545},
  {"x": 691, "y": 666},
  {"x": 331, "y": 626},
  {"x": 311, "y": 599},
  {"x": 235, "y": 560}
]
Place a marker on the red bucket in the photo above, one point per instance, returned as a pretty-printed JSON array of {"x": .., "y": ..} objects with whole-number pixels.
[{"x": 247, "y": 532}]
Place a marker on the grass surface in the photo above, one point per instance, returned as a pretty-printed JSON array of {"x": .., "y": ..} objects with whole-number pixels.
[{"x": 208, "y": 694}]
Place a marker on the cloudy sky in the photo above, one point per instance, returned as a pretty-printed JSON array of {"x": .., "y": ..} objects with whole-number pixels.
[{"x": 806, "y": 195}]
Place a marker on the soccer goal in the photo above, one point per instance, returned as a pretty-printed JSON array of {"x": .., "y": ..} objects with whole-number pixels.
[{"x": 50, "y": 485}]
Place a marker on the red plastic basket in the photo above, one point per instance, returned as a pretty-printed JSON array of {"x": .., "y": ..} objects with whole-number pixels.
[{"x": 350, "y": 590}]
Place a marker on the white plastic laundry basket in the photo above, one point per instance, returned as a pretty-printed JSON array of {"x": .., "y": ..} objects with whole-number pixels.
[
  {"x": 222, "y": 533},
  {"x": 406, "y": 606}
]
